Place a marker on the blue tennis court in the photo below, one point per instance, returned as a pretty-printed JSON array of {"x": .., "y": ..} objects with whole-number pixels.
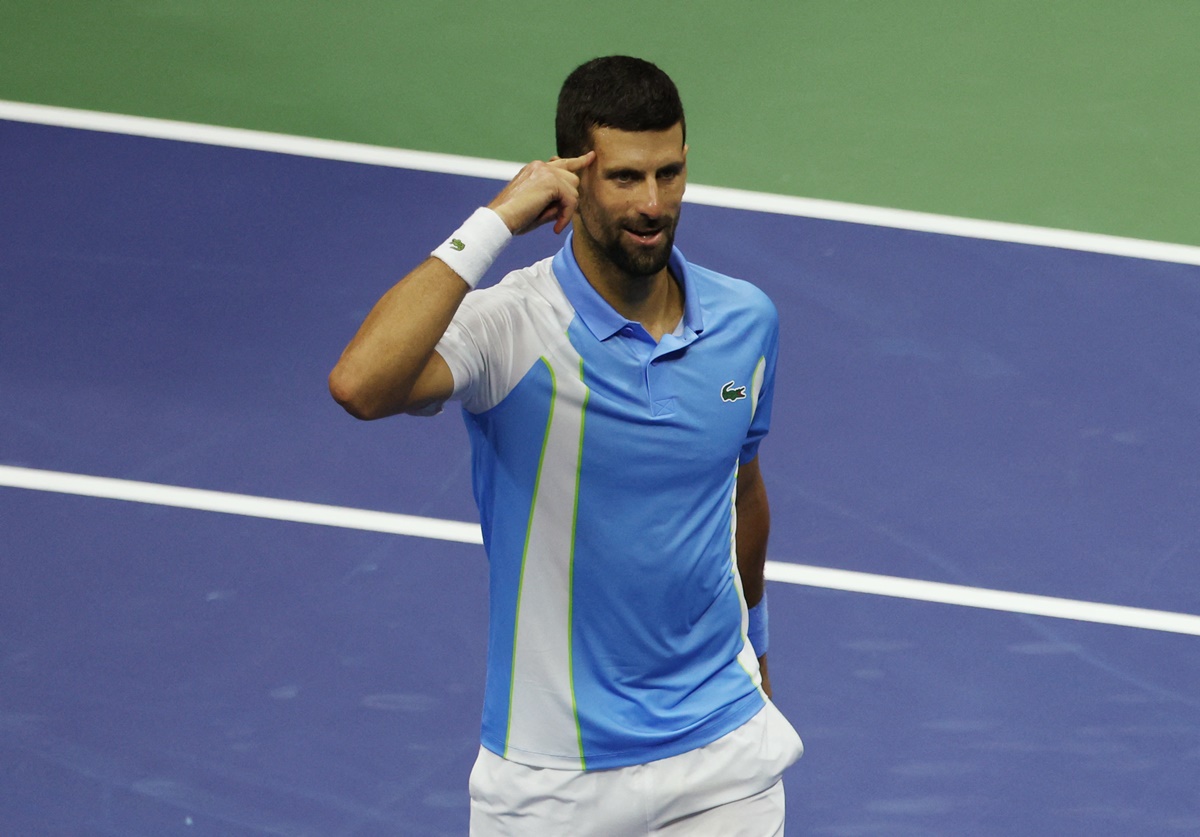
[{"x": 974, "y": 413}]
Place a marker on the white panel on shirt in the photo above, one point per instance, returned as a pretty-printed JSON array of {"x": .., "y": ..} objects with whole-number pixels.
[
  {"x": 497, "y": 336},
  {"x": 500, "y": 332}
]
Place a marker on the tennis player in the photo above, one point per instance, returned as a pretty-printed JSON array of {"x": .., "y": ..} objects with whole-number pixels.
[{"x": 615, "y": 397}]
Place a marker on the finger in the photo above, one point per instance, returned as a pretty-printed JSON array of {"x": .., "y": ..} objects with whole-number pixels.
[
  {"x": 550, "y": 213},
  {"x": 565, "y": 212},
  {"x": 567, "y": 202},
  {"x": 564, "y": 218},
  {"x": 574, "y": 164}
]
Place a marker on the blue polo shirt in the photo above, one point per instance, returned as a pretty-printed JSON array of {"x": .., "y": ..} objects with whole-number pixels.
[{"x": 604, "y": 468}]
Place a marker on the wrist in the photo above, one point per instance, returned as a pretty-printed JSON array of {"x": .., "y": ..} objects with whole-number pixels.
[{"x": 472, "y": 248}]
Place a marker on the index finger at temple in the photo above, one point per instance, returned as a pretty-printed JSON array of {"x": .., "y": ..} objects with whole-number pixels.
[{"x": 575, "y": 163}]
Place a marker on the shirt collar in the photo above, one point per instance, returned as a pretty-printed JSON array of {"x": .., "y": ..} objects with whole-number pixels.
[{"x": 601, "y": 319}]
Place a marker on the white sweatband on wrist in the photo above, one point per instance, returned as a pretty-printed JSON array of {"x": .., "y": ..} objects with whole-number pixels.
[{"x": 473, "y": 247}]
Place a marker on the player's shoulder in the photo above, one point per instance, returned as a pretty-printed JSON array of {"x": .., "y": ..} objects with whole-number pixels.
[
  {"x": 515, "y": 285},
  {"x": 730, "y": 294},
  {"x": 515, "y": 288},
  {"x": 530, "y": 291}
]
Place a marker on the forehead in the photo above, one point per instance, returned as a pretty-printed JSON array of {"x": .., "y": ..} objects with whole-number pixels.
[{"x": 637, "y": 149}]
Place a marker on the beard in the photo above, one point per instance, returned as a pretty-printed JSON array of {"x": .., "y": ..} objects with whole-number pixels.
[{"x": 633, "y": 259}]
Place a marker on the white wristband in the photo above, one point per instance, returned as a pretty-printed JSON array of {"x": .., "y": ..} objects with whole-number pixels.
[{"x": 473, "y": 247}]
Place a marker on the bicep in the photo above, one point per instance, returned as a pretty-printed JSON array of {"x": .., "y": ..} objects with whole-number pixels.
[{"x": 434, "y": 385}]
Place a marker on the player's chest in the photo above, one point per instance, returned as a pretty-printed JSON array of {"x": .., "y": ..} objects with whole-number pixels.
[{"x": 695, "y": 401}]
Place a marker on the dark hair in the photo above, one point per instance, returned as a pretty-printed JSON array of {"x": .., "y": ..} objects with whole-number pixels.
[{"x": 617, "y": 91}]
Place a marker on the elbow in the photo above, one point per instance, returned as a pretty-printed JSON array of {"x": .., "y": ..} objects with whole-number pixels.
[{"x": 352, "y": 396}]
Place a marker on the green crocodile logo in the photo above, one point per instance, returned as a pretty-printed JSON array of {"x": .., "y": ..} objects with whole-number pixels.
[
  {"x": 731, "y": 393},
  {"x": 456, "y": 244}
]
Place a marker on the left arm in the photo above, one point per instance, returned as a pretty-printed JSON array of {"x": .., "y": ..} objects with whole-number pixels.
[{"x": 753, "y": 527}]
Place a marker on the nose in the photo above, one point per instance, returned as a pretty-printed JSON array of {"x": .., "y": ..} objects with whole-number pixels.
[{"x": 649, "y": 203}]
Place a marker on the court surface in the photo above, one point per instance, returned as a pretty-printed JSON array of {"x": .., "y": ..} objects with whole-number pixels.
[{"x": 983, "y": 414}]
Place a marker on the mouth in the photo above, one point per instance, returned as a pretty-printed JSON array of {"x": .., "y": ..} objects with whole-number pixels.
[{"x": 647, "y": 238}]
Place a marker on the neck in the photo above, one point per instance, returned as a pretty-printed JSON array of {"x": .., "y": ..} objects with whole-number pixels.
[{"x": 655, "y": 301}]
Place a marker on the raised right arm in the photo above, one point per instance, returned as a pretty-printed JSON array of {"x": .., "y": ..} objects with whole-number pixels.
[{"x": 390, "y": 365}]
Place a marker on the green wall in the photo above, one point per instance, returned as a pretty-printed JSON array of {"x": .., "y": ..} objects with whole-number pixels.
[{"x": 1073, "y": 114}]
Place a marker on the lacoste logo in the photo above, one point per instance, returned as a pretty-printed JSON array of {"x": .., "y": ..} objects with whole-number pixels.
[
  {"x": 731, "y": 393},
  {"x": 456, "y": 244}
]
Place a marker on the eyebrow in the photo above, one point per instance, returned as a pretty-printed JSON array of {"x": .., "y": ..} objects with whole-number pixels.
[{"x": 669, "y": 168}]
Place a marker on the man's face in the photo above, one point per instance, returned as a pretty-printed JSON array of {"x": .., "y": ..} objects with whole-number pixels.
[{"x": 630, "y": 197}]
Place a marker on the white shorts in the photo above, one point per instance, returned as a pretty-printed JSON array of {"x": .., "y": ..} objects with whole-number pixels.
[{"x": 729, "y": 788}]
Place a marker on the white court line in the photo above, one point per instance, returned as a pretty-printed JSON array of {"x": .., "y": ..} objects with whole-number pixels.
[
  {"x": 933, "y": 591},
  {"x": 462, "y": 532},
  {"x": 242, "y": 504},
  {"x": 501, "y": 170}
]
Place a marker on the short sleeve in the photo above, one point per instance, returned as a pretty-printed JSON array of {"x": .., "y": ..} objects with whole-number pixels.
[
  {"x": 478, "y": 347},
  {"x": 762, "y": 389}
]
